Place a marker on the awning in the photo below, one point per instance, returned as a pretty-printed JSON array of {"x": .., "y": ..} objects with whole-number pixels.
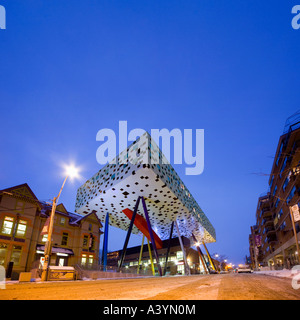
[{"x": 56, "y": 249}]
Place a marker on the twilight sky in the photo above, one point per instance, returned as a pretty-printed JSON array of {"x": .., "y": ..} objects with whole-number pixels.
[{"x": 71, "y": 68}]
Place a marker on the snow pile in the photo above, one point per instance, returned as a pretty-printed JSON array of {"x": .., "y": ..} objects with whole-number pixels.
[{"x": 285, "y": 273}]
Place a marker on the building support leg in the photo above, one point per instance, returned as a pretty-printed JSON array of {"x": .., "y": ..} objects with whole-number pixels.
[
  {"x": 187, "y": 268},
  {"x": 169, "y": 246},
  {"x": 209, "y": 257},
  {"x": 200, "y": 255},
  {"x": 105, "y": 243},
  {"x": 151, "y": 259},
  {"x": 141, "y": 254},
  {"x": 128, "y": 234},
  {"x": 151, "y": 236}
]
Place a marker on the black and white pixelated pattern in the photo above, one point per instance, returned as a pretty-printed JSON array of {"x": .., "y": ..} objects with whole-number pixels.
[{"x": 118, "y": 185}]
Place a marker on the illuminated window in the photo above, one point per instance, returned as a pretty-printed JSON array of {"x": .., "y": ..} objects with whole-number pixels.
[
  {"x": 7, "y": 226},
  {"x": 179, "y": 255},
  {"x": 21, "y": 228},
  {"x": 180, "y": 269},
  {"x": 91, "y": 259},
  {"x": 16, "y": 255},
  {"x": 45, "y": 238},
  {"x": 64, "y": 240},
  {"x": 3, "y": 252},
  {"x": 83, "y": 259}
]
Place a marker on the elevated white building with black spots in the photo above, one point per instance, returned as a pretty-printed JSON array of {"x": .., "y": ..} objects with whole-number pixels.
[{"x": 143, "y": 171}]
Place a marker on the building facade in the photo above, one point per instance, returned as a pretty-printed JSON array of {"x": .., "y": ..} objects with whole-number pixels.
[
  {"x": 75, "y": 237},
  {"x": 276, "y": 245},
  {"x": 175, "y": 259}
]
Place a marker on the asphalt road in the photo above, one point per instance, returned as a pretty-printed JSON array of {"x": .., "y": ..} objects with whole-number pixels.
[{"x": 200, "y": 287}]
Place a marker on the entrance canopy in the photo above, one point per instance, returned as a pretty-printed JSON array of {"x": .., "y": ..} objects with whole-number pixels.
[{"x": 142, "y": 170}]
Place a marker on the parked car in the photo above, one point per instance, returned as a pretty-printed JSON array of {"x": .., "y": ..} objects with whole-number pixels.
[{"x": 244, "y": 269}]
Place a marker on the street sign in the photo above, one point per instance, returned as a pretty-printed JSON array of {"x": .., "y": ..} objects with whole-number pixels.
[{"x": 295, "y": 211}]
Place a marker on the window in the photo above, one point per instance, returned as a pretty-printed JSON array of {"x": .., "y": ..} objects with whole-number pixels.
[
  {"x": 62, "y": 221},
  {"x": 291, "y": 195},
  {"x": 90, "y": 227},
  {"x": 286, "y": 182},
  {"x": 180, "y": 269},
  {"x": 20, "y": 206},
  {"x": 279, "y": 154},
  {"x": 85, "y": 241},
  {"x": 91, "y": 259},
  {"x": 282, "y": 227},
  {"x": 271, "y": 182},
  {"x": 275, "y": 189},
  {"x": 280, "y": 213},
  {"x": 3, "y": 252},
  {"x": 16, "y": 255},
  {"x": 7, "y": 226},
  {"x": 64, "y": 240},
  {"x": 21, "y": 228},
  {"x": 283, "y": 166},
  {"x": 45, "y": 238},
  {"x": 179, "y": 255},
  {"x": 83, "y": 259}
]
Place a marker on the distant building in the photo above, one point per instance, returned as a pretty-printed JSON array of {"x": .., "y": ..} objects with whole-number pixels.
[
  {"x": 175, "y": 258},
  {"x": 277, "y": 247},
  {"x": 76, "y": 237}
]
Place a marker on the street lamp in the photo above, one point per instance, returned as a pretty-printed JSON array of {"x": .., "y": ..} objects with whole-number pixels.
[{"x": 71, "y": 172}]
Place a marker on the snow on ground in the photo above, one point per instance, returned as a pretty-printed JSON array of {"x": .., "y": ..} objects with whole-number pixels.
[{"x": 285, "y": 273}]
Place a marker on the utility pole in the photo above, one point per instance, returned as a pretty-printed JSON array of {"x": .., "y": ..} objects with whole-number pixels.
[
  {"x": 71, "y": 172},
  {"x": 48, "y": 245}
]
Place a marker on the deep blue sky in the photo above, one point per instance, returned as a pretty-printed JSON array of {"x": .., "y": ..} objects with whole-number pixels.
[{"x": 71, "y": 68}]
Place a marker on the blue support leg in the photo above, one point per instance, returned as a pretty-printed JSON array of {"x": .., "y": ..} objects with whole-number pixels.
[{"x": 105, "y": 243}]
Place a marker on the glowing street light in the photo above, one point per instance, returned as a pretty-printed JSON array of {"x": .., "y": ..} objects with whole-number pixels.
[{"x": 72, "y": 172}]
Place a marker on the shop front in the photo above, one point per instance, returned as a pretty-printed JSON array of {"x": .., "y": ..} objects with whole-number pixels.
[{"x": 59, "y": 256}]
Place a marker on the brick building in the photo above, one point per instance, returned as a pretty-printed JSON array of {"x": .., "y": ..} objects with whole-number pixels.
[
  {"x": 76, "y": 238},
  {"x": 277, "y": 247}
]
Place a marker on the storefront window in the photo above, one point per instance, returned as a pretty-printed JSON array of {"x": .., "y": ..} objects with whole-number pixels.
[
  {"x": 3, "y": 252},
  {"x": 16, "y": 255},
  {"x": 180, "y": 269}
]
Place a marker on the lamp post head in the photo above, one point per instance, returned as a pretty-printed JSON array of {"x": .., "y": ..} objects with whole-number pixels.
[{"x": 72, "y": 171}]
